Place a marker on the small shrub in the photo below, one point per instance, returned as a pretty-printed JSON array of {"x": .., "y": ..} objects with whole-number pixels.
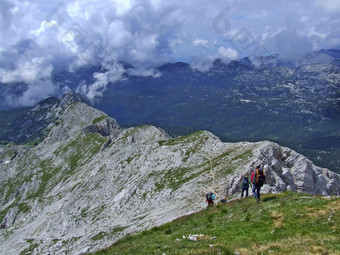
[
  {"x": 168, "y": 231},
  {"x": 224, "y": 211},
  {"x": 99, "y": 119},
  {"x": 99, "y": 236},
  {"x": 224, "y": 250}
]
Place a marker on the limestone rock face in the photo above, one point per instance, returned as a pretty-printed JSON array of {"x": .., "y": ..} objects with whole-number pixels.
[
  {"x": 286, "y": 170},
  {"x": 75, "y": 117},
  {"x": 106, "y": 127},
  {"x": 91, "y": 182},
  {"x": 69, "y": 99}
]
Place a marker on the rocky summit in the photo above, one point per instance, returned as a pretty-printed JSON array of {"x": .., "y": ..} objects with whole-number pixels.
[{"x": 91, "y": 182}]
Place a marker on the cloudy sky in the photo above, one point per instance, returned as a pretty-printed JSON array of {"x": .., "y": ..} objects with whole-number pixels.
[{"x": 39, "y": 38}]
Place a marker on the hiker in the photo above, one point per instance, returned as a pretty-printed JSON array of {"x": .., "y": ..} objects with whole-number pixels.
[
  {"x": 210, "y": 198},
  {"x": 223, "y": 200},
  {"x": 258, "y": 179},
  {"x": 245, "y": 186}
]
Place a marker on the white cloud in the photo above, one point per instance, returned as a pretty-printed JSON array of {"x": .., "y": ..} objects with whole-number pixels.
[
  {"x": 36, "y": 92},
  {"x": 118, "y": 34},
  {"x": 200, "y": 42},
  {"x": 328, "y": 5},
  {"x": 124, "y": 7},
  {"x": 143, "y": 72},
  {"x": 43, "y": 26},
  {"x": 42, "y": 37},
  {"x": 74, "y": 9},
  {"x": 102, "y": 79},
  {"x": 292, "y": 44},
  {"x": 27, "y": 71},
  {"x": 227, "y": 53},
  {"x": 201, "y": 63}
]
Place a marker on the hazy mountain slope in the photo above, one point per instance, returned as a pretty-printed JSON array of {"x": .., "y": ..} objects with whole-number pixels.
[
  {"x": 90, "y": 182},
  {"x": 32, "y": 124}
]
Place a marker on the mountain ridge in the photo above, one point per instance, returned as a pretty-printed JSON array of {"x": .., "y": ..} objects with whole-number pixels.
[
  {"x": 91, "y": 182},
  {"x": 293, "y": 103},
  {"x": 33, "y": 124}
]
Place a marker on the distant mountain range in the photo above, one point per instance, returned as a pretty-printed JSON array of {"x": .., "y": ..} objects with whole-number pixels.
[{"x": 296, "y": 104}]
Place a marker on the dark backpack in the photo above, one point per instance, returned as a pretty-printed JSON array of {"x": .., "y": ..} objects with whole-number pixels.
[
  {"x": 245, "y": 184},
  {"x": 260, "y": 177},
  {"x": 209, "y": 196}
]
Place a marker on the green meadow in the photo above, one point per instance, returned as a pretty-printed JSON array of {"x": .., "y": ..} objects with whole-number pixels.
[{"x": 287, "y": 223}]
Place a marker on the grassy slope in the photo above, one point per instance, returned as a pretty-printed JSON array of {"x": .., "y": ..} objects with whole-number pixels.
[{"x": 287, "y": 223}]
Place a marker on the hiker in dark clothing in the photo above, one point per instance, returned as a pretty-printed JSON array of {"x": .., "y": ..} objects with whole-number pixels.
[
  {"x": 210, "y": 198},
  {"x": 245, "y": 186},
  {"x": 258, "y": 179}
]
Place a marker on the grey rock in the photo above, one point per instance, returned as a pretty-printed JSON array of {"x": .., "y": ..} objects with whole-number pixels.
[
  {"x": 70, "y": 98},
  {"x": 106, "y": 127}
]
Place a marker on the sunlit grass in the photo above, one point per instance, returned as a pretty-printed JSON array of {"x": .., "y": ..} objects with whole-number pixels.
[{"x": 280, "y": 224}]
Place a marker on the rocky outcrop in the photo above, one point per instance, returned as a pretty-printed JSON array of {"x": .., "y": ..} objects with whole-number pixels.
[
  {"x": 78, "y": 116},
  {"x": 31, "y": 125},
  {"x": 76, "y": 192},
  {"x": 286, "y": 170},
  {"x": 70, "y": 98},
  {"x": 106, "y": 127}
]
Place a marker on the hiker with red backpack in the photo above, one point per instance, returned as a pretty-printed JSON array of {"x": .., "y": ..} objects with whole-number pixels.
[{"x": 258, "y": 179}]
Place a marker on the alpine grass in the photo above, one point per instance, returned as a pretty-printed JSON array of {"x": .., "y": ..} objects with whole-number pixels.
[{"x": 287, "y": 223}]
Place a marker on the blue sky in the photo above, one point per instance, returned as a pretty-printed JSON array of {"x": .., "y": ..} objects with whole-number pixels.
[{"x": 41, "y": 37}]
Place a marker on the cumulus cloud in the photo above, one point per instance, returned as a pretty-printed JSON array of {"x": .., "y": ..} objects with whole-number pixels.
[
  {"x": 95, "y": 90},
  {"x": 143, "y": 72},
  {"x": 45, "y": 37},
  {"x": 227, "y": 53},
  {"x": 200, "y": 42},
  {"x": 291, "y": 44},
  {"x": 33, "y": 94}
]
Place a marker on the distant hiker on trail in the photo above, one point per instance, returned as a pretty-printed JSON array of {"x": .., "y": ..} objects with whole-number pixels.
[
  {"x": 258, "y": 179},
  {"x": 223, "y": 200},
  {"x": 245, "y": 186},
  {"x": 210, "y": 198}
]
